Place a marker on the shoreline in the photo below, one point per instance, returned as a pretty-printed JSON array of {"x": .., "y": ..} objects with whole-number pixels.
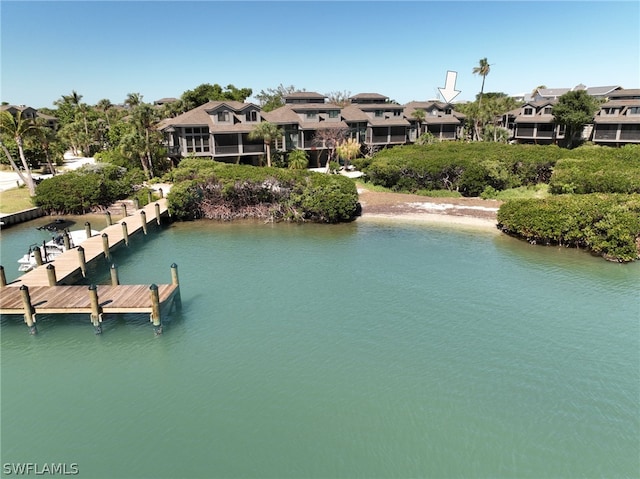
[{"x": 454, "y": 221}]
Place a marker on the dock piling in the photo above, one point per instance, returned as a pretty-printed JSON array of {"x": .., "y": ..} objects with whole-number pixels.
[
  {"x": 177, "y": 300},
  {"x": 125, "y": 233},
  {"x": 115, "y": 281},
  {"x": 105, "y": 245},
  {"x": 83, "y": 261},
  {"x": 136, "y": 203},
  {"x": 51, "y": 274},
  {"x": 87, "y": 229},
  {"x": 37, "y": 254},
  {"x": 109, "y": 220},
  {"x": 124, "y": 210},
  {"x": 155, "y": 309},
  {"x": 66, "y": 240},
  {"x": 3, "y": 277},
  {"x": 143, "y": 215},
  {"x": 157, "y": 213},
  {"x": 96, "y": 309},
  {"x": 29, "y": 310},
  {"x": 161, "y": 193}
]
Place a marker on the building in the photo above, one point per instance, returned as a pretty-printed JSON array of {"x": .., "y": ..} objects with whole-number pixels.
[
  {"x": 217, "y": 130},
  {"x": 31, "y": 113},
  {"x": 618, "y": 121}
]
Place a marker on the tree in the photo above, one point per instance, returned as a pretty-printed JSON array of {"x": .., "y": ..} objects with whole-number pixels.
[
  {"x": 144, "y": 118},
  {"x": 47, "y": 138},
  {"x": 268, "y": 132},
  {"x": 329, "y": 138},
  {"x": 574, "y": 110},
  {"x": 419, "y": 116},
  {"x": 17, "y": 128},
  {"x": 206, "y": 92},
  {"x": 340, "y": 98},
  {"x": 298, "y": 160},
  {"x": 133, "y": 100},
  {"x": 483, "y": 70},
  {"x": 348, "y": 150},
  {"x": 273, "y": 98}
]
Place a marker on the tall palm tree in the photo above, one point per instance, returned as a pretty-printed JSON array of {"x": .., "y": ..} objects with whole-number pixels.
[
  {"x": 133, "y": 100},
  {"x": 144, "y": 118},
  {"x": 483, "y": 70},
  {"x": 17, "y": 128},
  {"x": 104, "y": 106},
  {"x": 46, "y": 137},
  {"x": 268, "y": 132},
  {"x": 419, "y": 116}
]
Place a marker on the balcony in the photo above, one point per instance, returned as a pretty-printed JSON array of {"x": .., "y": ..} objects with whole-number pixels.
[
  {"x": 173, "y": 150},
  {"x": 227, "y": 150},
  {"x": 253, "y": 148}
]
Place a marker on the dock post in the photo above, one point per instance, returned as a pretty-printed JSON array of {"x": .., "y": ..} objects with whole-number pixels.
[
  {"x": 155, "y": 309},
  {"x": 51, "y": 274},
  {"x": 157, "y": 213},
  {"x": 96, "y": 310},
  {"x": 161, "y": 192},
  {"x": 3, "y": 277},
  {"x": 87, "y": 229},
  {"x": 124, "y": 209},
  {"x": 115, "y": 281},
  {"x": 83, "y": 261},
  {"x": 105, "y": 245},
  {"x": 37, "y": 254},
  {"x": 66, "y": 240},
  {"x": 44, "y": 249},
  {"x": 150, "y": 197},
  {"x": 143, "y": 215},
  {"x": 177, "y": 300},
  {"x": 109, "y": 220},
  {"x": 125, "y": 233},
  {"x": 29, "y": 310},
  {"x": 136, "y": 203}
]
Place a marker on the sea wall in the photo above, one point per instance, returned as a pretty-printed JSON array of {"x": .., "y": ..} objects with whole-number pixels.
[{"x": 21, "y": 216}]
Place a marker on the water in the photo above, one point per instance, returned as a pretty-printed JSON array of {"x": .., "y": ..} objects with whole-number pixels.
[{"x": 358, "y": 351}]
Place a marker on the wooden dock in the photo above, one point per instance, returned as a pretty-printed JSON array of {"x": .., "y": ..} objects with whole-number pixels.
[
  {"x": 70, "y": 266},
  {"x": 50, "y": 289}
]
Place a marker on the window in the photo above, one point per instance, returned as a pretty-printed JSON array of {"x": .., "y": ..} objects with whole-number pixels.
[
  {"x": 528, "y": 111},
  {"x": 252, "y": 116},
  {"x": 396, "y": 112},
  {"x": 448, "y": 111},
  {"x": 379, "y": 113},
  {"x": 548, "y": 110},
  {"x": 223, "y": 116},
  {"x": 633, "y": 110},
  {"x": 312, "y": 115},
  {"x": 333, "y": 113},
  {"x": 197, "y": 140}
]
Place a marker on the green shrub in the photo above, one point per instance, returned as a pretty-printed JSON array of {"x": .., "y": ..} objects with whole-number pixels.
[
  {"x": 83, "y": 190},
  {"x": 608, "y": 225},
  {"x": 207, "y": 189}
]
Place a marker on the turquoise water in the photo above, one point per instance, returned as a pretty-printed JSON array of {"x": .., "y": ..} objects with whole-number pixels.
[{"x": 358, "y": 351}]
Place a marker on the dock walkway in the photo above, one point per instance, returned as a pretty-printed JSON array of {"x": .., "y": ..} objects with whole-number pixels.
[{"x": 50, "y": 288}]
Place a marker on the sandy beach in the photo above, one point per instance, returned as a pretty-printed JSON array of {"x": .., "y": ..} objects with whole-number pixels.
[{"x": 467, "y": 212}]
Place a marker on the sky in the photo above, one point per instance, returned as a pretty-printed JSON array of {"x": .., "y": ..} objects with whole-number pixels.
[{"x": 401, "y": 49}]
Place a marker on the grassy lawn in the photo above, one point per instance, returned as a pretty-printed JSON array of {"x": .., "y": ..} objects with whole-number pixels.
[{"x": 16, "y": 199}]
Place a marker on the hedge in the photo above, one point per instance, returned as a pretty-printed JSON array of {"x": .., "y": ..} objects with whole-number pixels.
[
  {"x": 214, "y": 190},
  {"x": 606, "y": 224}
]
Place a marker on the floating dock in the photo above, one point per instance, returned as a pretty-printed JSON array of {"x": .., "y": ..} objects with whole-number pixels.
[{"x": 51, "y": 288}]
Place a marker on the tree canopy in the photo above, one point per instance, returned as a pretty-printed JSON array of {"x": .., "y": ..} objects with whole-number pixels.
[
  {"x": 574, "y": 110},
  {"x": 206, "y": 92}
]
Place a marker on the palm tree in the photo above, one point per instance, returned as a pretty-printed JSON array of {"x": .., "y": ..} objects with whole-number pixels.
[
  {"x": 419, "y": 116},
  {"x": 17, "y": 128},
  {"x": 483, "y": 70},
  {"x": 298, "y": 160},
  {"x": 268, "y": 132},
  {"x": 144, "y": 118},
  {"x": 46, "y": 137},
  {"x": 348, "y": 150},
  {"x": 105, "y": 105},
  {"x": 133, "y": 100}
]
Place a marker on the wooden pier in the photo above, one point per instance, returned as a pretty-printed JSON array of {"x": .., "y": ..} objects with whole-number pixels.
[{"x": 51, "y": 287}]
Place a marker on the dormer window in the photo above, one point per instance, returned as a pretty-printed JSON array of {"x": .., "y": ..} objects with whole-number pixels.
[
  {"x": 633, "y": 110},
  {"x": 251, "y": 116},
  {"x": 378, "y": 113},
  {"x": 396, "y": 112},
  {"x": 528, "y": 111},
  {"x": 223, "y": 116},
  {"x": 448, "y": 111},
  {"x": 434, "y": 112},
  {"x": 547, "y": 110},
  {"x": 333, "y": 113},
  {"x": 312, "y": 115}
]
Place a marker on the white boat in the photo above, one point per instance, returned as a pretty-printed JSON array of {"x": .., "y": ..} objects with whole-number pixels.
[{"x": 50, "y": 249}]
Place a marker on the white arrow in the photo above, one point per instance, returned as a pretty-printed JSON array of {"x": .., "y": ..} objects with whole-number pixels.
[{"x": 449, "y": 91}]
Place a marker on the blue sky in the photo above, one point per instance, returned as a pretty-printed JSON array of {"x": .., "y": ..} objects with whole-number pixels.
[{"x": 402, "y": 49}]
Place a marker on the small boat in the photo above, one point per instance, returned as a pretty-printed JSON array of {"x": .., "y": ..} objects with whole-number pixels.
[{"x": 50, "y": 249}]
